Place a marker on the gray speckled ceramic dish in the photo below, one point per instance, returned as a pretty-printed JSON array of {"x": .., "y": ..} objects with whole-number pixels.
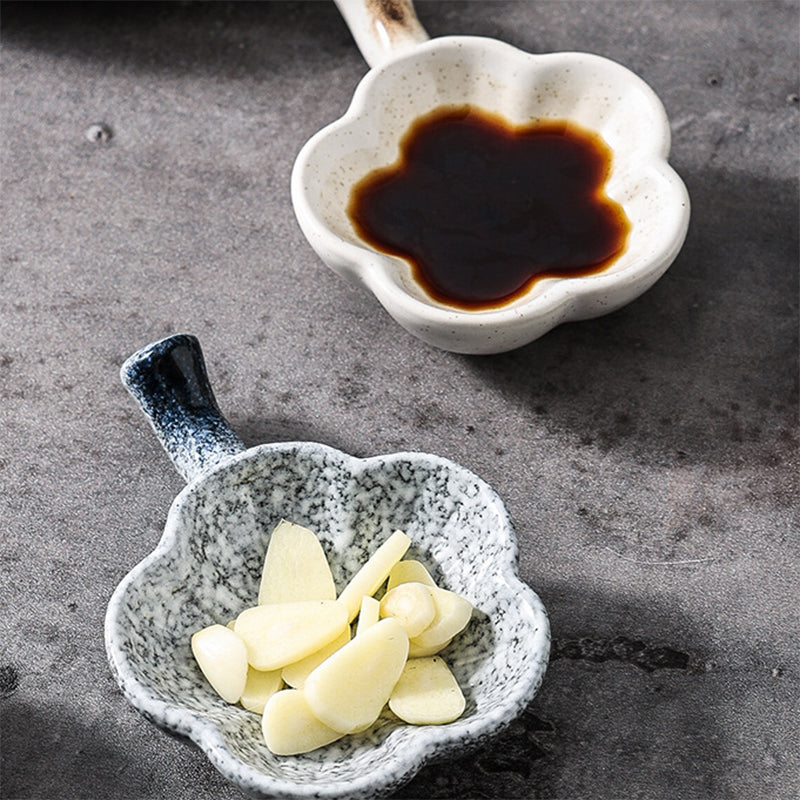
[{"x": 207, "y": 566}]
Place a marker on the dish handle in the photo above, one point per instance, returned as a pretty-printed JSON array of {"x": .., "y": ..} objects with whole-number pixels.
[
  {"x": 169, "y": 380},
  {"x": 382, "y": 29}
]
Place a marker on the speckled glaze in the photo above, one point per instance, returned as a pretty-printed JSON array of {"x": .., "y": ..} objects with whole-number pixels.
[
  {"x": 410, "y": 81},
  {"x": 206, "y": 568}
]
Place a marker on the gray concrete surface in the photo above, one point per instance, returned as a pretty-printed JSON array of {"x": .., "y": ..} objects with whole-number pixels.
[{"x": 649, "y": 458}]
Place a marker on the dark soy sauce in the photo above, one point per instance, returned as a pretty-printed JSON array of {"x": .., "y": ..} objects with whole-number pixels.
[{"x": 482, "y": 209}]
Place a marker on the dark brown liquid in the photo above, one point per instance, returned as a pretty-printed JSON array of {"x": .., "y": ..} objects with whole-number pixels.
[{"x": 482, "y": 209}]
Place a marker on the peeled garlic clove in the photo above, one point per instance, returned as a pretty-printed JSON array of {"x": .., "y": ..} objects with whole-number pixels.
[
  {"x": 295, "y": 567},
  {"x": 418, "y": 651},
  {"x": 427, "y": 693},
  {"x": 453, "y": 612},
  {"x": 348, "y": 690},
  {"x": 409, "y": 571},
  {"x": 374, "y": 572},
  {"x": 222, "y": 658},
  {"x": 289, "y": 726},
  {"x": 411, "y": 604},
  {"x": 368, "y": 615},
  {"x": 295, "y": 674},
  {"x": 281, "y": 633},
  {"x": 260, "y": 686}
]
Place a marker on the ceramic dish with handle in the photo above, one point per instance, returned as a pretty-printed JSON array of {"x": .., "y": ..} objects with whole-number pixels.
[
  {"x": 411, "y": 76},
  {"x": 206, "y": 568}
]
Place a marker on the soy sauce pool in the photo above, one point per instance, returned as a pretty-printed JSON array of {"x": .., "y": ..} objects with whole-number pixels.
[{"x": 482, "y": 209}]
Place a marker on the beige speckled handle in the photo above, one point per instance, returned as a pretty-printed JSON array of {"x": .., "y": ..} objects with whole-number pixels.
[{"x": 382, "y": 29}]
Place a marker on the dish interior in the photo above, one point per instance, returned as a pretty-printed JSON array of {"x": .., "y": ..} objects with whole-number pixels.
[
  {"x": 597, "y": 94},
  {"x": 207, "y": 569}
]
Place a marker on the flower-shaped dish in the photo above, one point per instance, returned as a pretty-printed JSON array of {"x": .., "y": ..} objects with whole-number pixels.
[
  {"x": 595, "y": 93},
  {"x": 206, "y": 569}
]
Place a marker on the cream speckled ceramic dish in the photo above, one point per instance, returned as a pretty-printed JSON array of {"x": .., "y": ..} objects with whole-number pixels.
[
  {"x": 410, "y": 77},
  {"x": 206, "y": 568}
]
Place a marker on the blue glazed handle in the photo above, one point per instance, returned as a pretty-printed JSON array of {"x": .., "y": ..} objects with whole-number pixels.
[{"x": 169, "y": 380}]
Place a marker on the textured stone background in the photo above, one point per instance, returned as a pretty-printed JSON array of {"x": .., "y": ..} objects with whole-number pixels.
[{"x": 649, "y": 459}]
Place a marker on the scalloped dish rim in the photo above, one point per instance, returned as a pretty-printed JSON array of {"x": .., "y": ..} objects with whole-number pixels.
[
  {"x": 559, "y": 300},
  {"x": 430, "y": 742}
]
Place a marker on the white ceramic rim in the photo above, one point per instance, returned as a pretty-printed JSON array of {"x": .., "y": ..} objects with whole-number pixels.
[{"x": 559, "y": 293}]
